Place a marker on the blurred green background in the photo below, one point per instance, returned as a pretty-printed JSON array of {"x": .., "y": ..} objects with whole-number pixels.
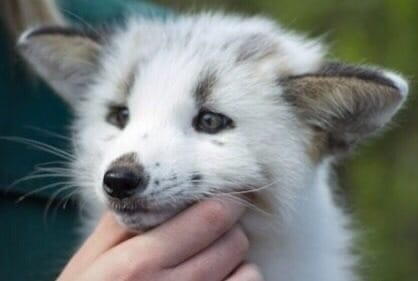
[{"x": 381, "y": 179}]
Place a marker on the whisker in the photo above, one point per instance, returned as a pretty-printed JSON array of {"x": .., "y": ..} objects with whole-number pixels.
[
  {"x": 35, "y": 175},
  {"x": 49, "y": 186},
  {"x": 79, "y": 19},
  {"x": 68, "y": 198},
  {"x": 41, "y": 146},
  {"x": 253, "y": 190},
  {"x": 55, "y": 170},
  {"x": 51, "y": 163},
  {"x": 53, "y": 197},
  {"x": 48, "y": 133},
  {"x": 96, "y": 31},
  {"x": 241, "y": 201},
  {"x": 64, "y": 201}
]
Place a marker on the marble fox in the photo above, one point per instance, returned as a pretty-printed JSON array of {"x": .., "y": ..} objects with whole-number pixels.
[{"x": 170, "y": 112}]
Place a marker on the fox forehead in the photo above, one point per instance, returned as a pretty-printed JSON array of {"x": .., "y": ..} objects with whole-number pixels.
[{"x": 190, "y": 54}]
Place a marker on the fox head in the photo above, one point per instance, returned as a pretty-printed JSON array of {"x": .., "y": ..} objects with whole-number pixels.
[{"x": 171, "y": 112}]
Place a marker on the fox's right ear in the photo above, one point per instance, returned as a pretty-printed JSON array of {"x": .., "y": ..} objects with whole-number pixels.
[{"x": 65, "y": 57}]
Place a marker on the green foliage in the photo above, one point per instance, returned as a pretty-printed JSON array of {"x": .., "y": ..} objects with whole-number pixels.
[{"x": 381, "y": 180}]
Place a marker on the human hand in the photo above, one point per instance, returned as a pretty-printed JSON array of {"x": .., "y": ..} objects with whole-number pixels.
[{"x": 201, "y": 243}]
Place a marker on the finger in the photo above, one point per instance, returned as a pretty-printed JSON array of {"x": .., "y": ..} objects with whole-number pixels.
[
  {"x": 192, "y": 230},
  {"x": 218, "y": 260},
  {"x": 107, "y": 234},
  {"x": 246, "y": 272}
]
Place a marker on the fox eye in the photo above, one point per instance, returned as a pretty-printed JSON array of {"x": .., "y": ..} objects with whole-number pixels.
[
  {"x": 211, "y": 122},
  {"x": 118, "y": 116}
]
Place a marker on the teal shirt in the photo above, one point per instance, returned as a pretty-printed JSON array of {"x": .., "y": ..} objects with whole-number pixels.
[{"x": 36, "y": 243}]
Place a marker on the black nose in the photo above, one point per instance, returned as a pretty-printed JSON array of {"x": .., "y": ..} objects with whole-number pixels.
[{"x": 123, "y": 182}]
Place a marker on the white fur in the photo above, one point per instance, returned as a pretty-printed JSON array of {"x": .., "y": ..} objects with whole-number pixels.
[
  {"x": 307, "y": 239},
  {"x": 301, "y": 234}
]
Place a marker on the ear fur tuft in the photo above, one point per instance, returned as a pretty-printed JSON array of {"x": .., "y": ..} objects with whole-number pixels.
[
  {"x": 66, "y": 58},
  {"x": 345, "y": 103}
]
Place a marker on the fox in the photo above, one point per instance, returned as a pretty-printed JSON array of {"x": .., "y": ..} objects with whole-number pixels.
[{"x": 169, "y": 112}]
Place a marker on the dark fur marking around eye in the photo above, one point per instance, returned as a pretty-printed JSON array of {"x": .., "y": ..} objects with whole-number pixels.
[
  {"x": 130, "y": 81},
  {"x": 117, "y": 115},
  {"x": 204, "y": 86},
  {"x": 126, "y": 84}
]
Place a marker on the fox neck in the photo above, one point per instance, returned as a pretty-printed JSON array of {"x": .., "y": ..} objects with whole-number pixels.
[{"x": 311, "y": 243}]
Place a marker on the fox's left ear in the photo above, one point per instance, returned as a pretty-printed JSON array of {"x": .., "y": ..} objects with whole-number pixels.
[
  {"x": 65, "y": 57},
  {"x": 344, "y": 103}
]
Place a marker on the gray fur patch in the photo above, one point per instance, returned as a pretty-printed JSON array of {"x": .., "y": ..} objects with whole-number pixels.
[
  {"x": 125, "y": 85},
  {"x": 205, "y": 86},
  {"x": 218, "y": 143},
  {"x": 67, "y": 58},
  {"x": 129, "y": 159},
  {"x": 256, "y": 47}
]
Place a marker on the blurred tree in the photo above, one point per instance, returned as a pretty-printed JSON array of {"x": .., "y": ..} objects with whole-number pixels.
[{"x": 381, "y": 180}]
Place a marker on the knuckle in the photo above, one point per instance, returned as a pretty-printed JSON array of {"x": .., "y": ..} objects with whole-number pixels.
[
  {"x": 216, "y": 215},
  {"x": 200, "y": 271},
  {"x": 133, "y": 264},
  {"x": 241, "y": 242},
  {"x": 252, "y": 272}
]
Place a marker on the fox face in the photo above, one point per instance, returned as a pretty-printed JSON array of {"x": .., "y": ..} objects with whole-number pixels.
[{"x": 170, "y": 112}]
